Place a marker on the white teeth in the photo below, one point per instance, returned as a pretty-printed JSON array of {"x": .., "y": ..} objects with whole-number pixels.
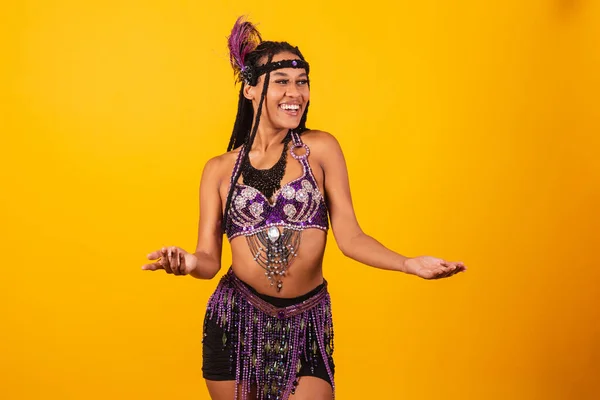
[{"x": 294, "y": 107}]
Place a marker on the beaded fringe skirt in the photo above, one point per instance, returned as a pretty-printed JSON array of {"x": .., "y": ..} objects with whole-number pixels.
[{"x": 267, "y": 343}]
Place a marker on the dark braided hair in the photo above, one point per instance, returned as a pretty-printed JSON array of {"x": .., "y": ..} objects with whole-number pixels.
[{"x": 239, "y": 43}]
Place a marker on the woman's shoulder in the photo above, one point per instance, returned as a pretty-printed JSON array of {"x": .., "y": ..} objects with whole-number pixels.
[
  {"x": 223, "y": 163},
  {"x": 320, "y": 142},
  {"x": 316, "y": 135},
  {"x": 228, "y": 157}
]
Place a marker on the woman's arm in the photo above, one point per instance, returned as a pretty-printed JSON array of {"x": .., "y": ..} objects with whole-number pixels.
[
  {"x": 210, "y": 238},
  {"x": 350, "y": 238}
]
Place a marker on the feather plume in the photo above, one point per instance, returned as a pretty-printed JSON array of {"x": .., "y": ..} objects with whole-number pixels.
[{"x": 243, "y": 39}]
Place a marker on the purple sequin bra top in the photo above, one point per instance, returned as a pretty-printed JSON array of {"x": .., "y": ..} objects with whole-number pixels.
[{"x": 273, "y": 231}]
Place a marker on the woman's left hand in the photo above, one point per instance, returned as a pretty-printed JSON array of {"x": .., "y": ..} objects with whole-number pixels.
[{"x": 428, "y": 267}]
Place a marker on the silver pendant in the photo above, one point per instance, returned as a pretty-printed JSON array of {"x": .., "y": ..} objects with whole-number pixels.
[{"x": 273, "y": 234}]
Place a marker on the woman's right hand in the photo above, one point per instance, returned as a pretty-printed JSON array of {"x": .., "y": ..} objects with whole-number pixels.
[{"x": 174, "y": 260}]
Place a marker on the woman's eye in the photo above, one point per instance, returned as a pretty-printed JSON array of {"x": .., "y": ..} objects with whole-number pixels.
[{"x": 287, "y": 81}]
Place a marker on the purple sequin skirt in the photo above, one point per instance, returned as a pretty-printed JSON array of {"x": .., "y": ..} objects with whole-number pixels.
[{"x": 267, "y": 347}]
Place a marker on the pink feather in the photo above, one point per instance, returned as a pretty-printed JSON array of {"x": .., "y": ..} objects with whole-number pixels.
[{"x": 243, "y": 39}]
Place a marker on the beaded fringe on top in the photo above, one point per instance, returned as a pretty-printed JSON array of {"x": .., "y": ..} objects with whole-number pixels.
[{"x": 267, "y": 342}]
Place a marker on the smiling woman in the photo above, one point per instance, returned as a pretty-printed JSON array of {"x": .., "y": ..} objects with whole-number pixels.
[{"x": 268, "y": 328}]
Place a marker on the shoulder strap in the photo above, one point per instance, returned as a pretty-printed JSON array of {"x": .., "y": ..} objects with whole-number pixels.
[{"x": 296, "y": 139}]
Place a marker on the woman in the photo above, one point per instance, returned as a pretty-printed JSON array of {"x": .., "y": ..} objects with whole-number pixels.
[{"x": 268, "y": 332}]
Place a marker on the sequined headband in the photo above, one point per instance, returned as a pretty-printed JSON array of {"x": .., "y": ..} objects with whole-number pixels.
[{"x": 250, "y": 74}]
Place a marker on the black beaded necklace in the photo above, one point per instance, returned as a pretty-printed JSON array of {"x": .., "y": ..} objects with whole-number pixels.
[{"x": 267, "y": 181}]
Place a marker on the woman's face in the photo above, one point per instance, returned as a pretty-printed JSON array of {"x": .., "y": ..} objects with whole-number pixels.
[{"x": 287, "y": 95}]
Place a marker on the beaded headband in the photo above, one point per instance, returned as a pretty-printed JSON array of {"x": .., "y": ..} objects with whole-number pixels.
[{"x": 250, "y": 74}]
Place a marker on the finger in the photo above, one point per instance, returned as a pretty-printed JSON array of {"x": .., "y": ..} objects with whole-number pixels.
[
  {"x": 179, "y": 266},
  {"x": 455, "y": 269},
  {"x": 439, "y": 273},
  {"x": 182, "y": 265},
  {"x": 152, "y": 267},
  {"x": 154, "y": 255},
  {"x": 165, "y": 260},
  {"x": 452, "y": 273},
  {"x": 445, "y": 274},
  {"x": 448, "y": 270},
  {"x": 460, "y": 266},
  {"x": 174, "y": 260}
]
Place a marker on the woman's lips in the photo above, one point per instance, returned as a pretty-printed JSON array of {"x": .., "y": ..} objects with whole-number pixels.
[{"x": 290, "y": 109}]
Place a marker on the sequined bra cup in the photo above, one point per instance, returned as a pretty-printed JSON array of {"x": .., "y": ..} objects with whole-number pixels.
[{"x": 298, "y": 205}]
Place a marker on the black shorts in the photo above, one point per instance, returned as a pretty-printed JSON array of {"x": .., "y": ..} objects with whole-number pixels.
[{"x": 219, "y": 359}]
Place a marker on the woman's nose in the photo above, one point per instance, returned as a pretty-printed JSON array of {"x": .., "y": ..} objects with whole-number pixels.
[{"x": 292, "y": 90}]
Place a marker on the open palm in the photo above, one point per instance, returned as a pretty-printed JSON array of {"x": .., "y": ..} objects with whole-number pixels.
[{"x": 428, "y": 267}]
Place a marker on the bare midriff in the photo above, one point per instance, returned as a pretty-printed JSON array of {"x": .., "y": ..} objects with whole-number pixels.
[{"x": 304, "y": 274}]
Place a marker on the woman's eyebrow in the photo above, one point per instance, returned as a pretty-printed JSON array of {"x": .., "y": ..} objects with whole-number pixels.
[{"x": 279, "y": 73}]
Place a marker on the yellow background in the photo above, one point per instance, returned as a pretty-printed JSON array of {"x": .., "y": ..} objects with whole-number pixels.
[{"x": 471, "y": 133}]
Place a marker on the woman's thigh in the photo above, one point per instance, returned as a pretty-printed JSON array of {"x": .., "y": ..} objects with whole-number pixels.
[
  {"x": 225, "y": 390},
  {"x": 312, "y": 388},
  {"x": 309, "y": 388}
]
